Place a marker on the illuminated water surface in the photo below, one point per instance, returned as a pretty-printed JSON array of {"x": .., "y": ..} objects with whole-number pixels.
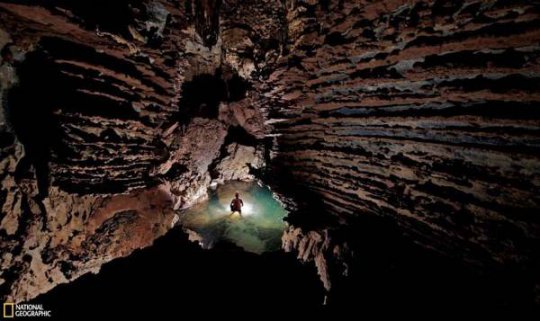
[{"x": 258, "y": 230}]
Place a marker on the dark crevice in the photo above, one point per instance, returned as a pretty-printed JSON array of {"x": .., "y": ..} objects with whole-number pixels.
[
  {"x": 510, "y": 58},
  {"x": 175, "y": 171},
  {"x": 488, "y": 109},
  {"x": 337, "y": 39},
  {"x": 30, "y": 106},
  {"x": 112, "y": 185},
  {"x": 6, "y": 140},
  {"x": 500, "y": 85},
  {"x": 239, "y": 135},
  {"x": 202, "y": 95},
  {"x": 498, "y": 30},
  {"x": 522, "y": 149},
  {"x": 206, "y": 17},
  {"x": 62, "y": 49}
]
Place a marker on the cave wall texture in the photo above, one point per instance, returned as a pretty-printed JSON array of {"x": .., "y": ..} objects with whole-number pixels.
[{"x": 423, "y": 112}]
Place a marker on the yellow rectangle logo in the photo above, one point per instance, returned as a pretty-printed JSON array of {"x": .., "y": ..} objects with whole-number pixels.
[{"x": 9, "y": 310}]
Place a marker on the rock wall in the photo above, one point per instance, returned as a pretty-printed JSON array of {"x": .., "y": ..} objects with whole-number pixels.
[
  {"x": 53, "y": 240},
  {"x": 331, "y": 257},
  {"x": 118, "y": 114},
  {"x": 422, "y": 111}
]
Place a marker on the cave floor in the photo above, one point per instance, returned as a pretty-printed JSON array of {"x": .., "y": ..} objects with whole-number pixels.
[{"x": 175, "y": 277}]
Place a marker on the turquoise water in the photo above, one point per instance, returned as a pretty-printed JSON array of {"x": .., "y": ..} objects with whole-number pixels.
[{"x": 258, "y": 230}]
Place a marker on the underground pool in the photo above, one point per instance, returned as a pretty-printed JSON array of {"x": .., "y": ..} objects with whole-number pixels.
[{"x": 257, "y": 229}]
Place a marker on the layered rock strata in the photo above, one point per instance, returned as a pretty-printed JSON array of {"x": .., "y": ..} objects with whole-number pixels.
[
  {"x": 113, "y": 119},
  {"x": 422, "y": 112}
]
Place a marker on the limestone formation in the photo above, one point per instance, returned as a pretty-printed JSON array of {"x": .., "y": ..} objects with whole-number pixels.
[{"x": 330, "y": 257}]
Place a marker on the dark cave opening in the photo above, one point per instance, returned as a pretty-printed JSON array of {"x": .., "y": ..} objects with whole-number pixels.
[
  {"x": 30, "y": 111},
  {"x": 202, "y": 95},
  {"x": 205, "y": 14}
]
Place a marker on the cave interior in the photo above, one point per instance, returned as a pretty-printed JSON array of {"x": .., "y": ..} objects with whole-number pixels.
[{"x": 388, "y": 152}]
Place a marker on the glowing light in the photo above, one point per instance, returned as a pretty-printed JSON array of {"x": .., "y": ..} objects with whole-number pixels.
[
  {"x": 259, "y": 229},
  {"x": 247, "y": 209}
]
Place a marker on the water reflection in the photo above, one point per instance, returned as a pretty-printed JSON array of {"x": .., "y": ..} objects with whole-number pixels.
[{"x": 258, "y": 230}]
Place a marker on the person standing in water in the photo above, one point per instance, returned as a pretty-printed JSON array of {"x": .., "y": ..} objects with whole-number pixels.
[{"x": 236, "y": 204}]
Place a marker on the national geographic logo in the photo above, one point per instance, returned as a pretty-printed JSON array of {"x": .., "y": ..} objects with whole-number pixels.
[
  {"x": 8, "y": 310},
  {"x": 12, "y": 310}
]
